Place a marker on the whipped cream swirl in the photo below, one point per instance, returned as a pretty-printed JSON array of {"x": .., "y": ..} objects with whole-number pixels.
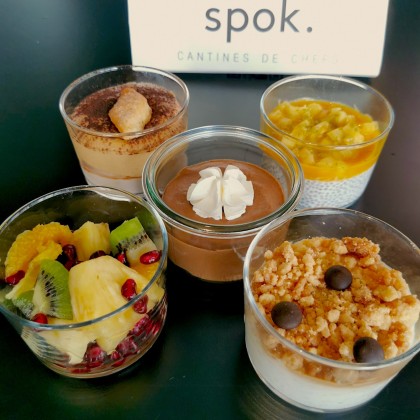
[{"x": 215, "y": 193}]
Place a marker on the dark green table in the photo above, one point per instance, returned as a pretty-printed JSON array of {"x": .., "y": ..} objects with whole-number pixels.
[{"x": 199, "y": 367}]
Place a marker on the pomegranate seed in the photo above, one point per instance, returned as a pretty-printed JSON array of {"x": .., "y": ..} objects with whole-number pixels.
[
  {"x": 117, "y": 358},
  {"x": 94, "y": 355},
  {"x": 141, "y": 326},
  {"x": 127, "y": 347},
  {"x": 80, "y": 368},
  {"x": 128, "y": 289},
  {"x": 156, "y": 328},
  {"x": 40, "y": 318},
  {"x": 97, "y": 254},
  {"x": 70, "y": 252},
  {"x": 69, "y": 264},
  {"x": 141, "y": 305},
  {"x": 150, "y": 257},
  {"x": 122, "y": 258},
  {"x": 68, "y": 256},
  {"x": 14, "y": 279}
]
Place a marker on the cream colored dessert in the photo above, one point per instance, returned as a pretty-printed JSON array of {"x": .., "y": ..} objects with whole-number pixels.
[
  {"x": 114, "y": 158},
  {"x": 378, "y": 304},
  {"x": 215, "y": 258}
]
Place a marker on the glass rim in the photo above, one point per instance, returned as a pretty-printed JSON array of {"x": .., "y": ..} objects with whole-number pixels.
[
  {"x": 237, "y": 133},
  {"x": 69, "y": 190},
  {"x": 247, "y": 277},
  {"x": 132, "y": 134},
  {"x": 340, "y": 79}
]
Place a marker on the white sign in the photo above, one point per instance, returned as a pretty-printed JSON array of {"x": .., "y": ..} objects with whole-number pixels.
[{"x": 343, "y": 37}]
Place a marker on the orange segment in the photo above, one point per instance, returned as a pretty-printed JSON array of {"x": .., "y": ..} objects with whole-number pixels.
[
  {"x": 51, "y": 252},
  {"x": 30, "y": 243}
]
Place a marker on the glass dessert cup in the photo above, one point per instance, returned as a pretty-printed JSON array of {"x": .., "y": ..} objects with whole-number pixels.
[
  {"x": 335, "y": 175},
  {"x": 116, "y": 159},
  {"x": 215, "y": 252},
  {"x": 296, "y": 375},
  {"x": 63, "y": 345}
]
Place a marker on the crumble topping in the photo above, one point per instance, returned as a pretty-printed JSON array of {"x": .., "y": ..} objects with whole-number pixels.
[{"x": 378, "y": 304}]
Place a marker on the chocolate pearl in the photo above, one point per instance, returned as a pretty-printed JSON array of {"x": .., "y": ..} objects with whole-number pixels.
[
  {"x": 286, "y": 315},
  {"x": 338, "y": 277},
  {"x": 367, "y": 350}
]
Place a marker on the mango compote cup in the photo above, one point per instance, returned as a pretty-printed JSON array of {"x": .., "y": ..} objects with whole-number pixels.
[
  {"x": 215, "y": 252},
  {"x": 337, "y": 165},
  {"x": 62, "y": 345},
  {"x": 293, "y": 373},
  {"x": 116, "y": 159}
]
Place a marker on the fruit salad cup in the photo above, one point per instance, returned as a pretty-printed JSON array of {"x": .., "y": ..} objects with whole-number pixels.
[
  {"x": 336, "y": 127},
  {"x": 83, "y": 281},
  {"x": 331, "y": 313}
]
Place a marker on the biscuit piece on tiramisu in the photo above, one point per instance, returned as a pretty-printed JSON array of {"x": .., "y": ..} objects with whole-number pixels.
[{"x": 131, "y": 112}]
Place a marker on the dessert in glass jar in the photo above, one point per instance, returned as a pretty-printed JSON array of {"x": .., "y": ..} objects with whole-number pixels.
[
  {"x": 117, "y": 116},
  {"x": 215, "y": 188},
  {"x": 331, "y": 310},
  {"x": 336, "y": 127}
]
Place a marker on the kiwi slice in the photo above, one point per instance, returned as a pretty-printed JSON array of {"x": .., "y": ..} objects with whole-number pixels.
[
  {"x": 131, "y": 238},
  {"x": 24, "y": 302},
  {"x": 51, "y": 293}
]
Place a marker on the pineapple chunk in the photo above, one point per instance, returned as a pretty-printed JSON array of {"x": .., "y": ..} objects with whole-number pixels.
[
  {"x": 91, "y": 237},
  {"x": 95, "y": 289},
  {"x": 71, "y": 341}
]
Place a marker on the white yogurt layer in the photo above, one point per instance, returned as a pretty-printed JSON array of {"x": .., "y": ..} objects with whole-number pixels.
[
  {"x": 302, "y": 390},
  {"x": 132, "y": 185},
  {"x": 342, "y": 193}
]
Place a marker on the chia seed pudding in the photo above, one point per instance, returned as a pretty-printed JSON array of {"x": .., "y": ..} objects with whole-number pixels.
[
  {"x": 335, "y": 126},
  {"x": 341, "y": 193}
]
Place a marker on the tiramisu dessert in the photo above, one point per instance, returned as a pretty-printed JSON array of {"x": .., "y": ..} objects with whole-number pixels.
[
  {"x": 115, "y": 129},
  {"x": 223, "y": 193},
  {"x": 336, "y": 299},
  {"x": 335, "y": 146}
]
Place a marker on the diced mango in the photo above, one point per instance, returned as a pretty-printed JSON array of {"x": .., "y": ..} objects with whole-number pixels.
[{"x": 326, "y": 124}]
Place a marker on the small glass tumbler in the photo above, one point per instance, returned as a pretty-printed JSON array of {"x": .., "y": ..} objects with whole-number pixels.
[
  {"x": 336, "y": 170},
  {"x": 215, "y": 252},
  {"x": 293, "y": 373},
  {"x": 116, "y": 159},
  {"x": 66, "y": 346}
]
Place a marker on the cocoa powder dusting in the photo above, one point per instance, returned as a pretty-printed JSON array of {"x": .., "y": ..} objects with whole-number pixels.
[{"x": 92, "y": 111}]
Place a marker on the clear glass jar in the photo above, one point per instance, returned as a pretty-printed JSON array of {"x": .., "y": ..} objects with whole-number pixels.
[
  {"x": 116, "y": 159},
  {"x": 294, "y": 373},
  {"x": 63, "y": 345},
  {"x": 336, "y": 171},
  {"x": 215, "y": 252}
]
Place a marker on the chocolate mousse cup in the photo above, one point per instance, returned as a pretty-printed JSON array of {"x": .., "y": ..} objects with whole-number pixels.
[
  {"x": 205, "y": 249},
  {"x": 108, "y": 157}
]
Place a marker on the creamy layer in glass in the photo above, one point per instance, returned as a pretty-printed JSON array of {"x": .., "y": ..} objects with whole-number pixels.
[
  {"x": 107, "y": 155},
  {"x": 355, "y": 329}
]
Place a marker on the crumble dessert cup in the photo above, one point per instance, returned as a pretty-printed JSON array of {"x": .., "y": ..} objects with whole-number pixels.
[
  {"x": 147, "y": 105},
  {"x": 312, "y": 365},
  {"x": 108, "y": 327},
  {"x": 208, "y": 249},
  {"x": 336, "y": 127}
]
